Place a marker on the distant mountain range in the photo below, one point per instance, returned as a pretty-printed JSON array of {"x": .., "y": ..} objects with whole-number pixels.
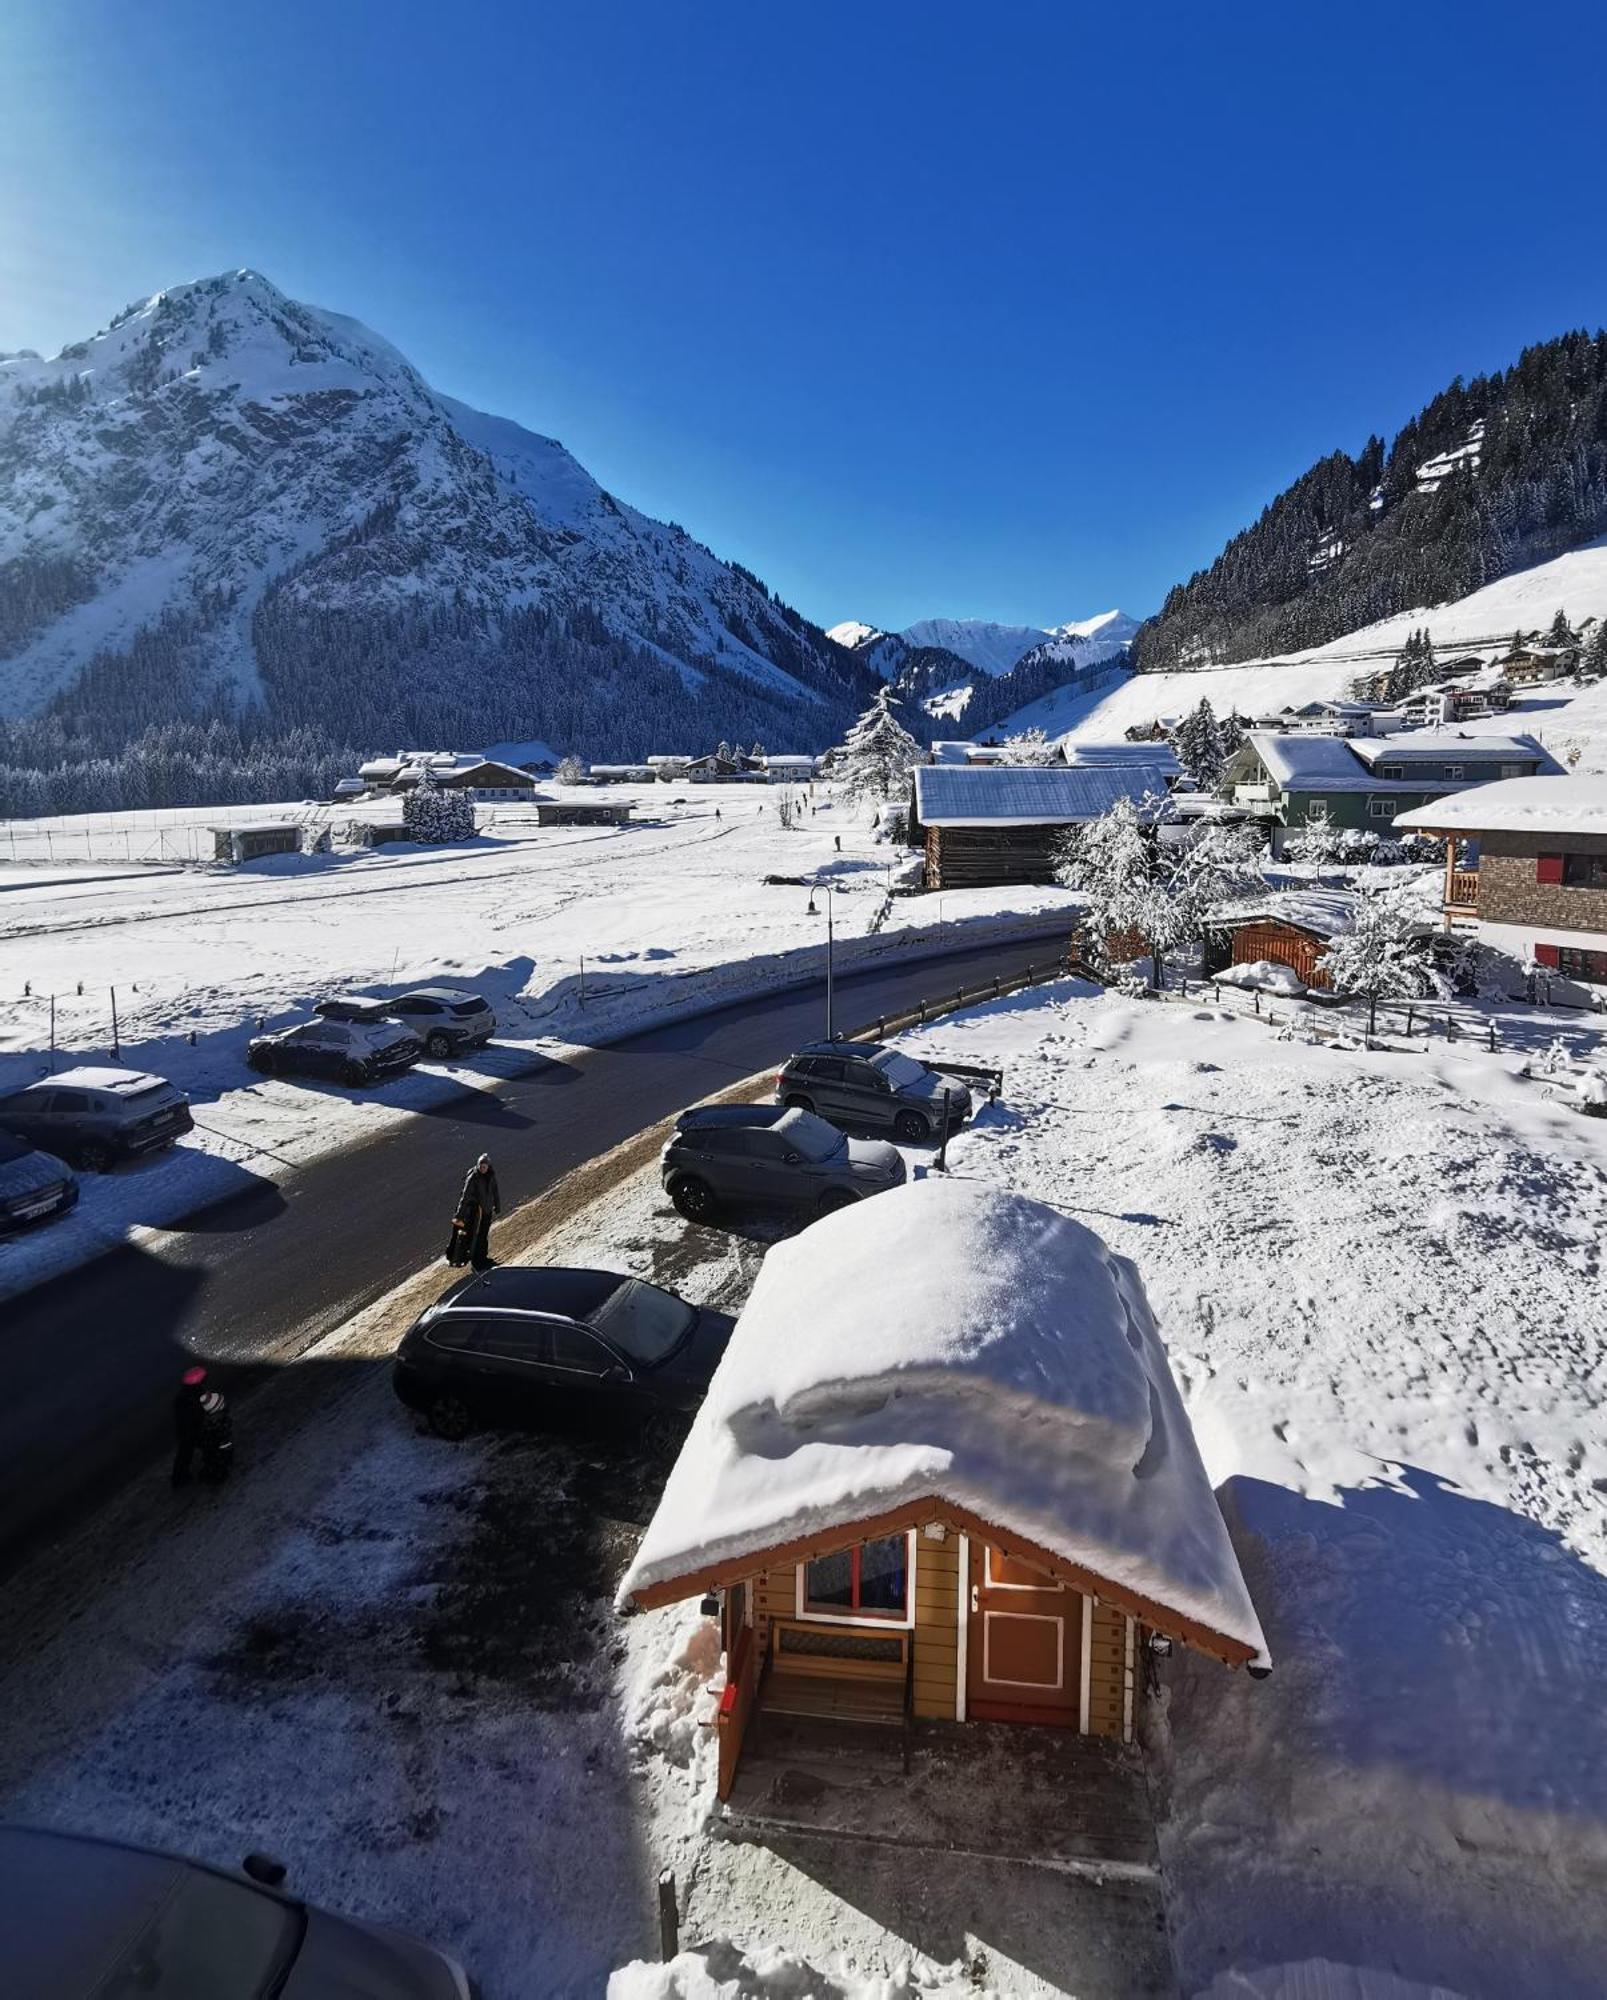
[
  {"x": 230, "y": 507},
  {"x": 968, "y": 673}
]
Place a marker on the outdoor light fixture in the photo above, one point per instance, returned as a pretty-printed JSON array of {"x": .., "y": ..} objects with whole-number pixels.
[
  {"x": 936, "y": 1531},
  {"x": 710, "y": 1607}
]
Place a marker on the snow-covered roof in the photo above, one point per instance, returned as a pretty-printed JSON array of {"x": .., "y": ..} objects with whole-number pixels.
[
  {"x": 1311, "y": 763},
  {"x": 1520, "y": 805},
  {"x": 1154, "y": 756},
  {"x": 952, "y": 1343},
  {"x": 1440, "y": 746},
  {"x": 1326, "y": 913},
  {"x": 89, "y": 1076},
  {"x": 1017, "y": 795}
]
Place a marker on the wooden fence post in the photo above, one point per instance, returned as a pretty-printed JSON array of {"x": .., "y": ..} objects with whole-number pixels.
[{"x": 669, "y": 1917}]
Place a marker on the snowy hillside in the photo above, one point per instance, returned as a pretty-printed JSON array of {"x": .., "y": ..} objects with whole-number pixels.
[
  {"x": 222, "y": 472},
  {"x": 1482, "y": 622}
]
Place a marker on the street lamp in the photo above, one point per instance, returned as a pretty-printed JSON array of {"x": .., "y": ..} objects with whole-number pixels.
[{"x": 829, "y": 893}]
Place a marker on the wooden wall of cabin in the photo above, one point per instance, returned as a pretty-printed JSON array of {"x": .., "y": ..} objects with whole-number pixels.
[
  {"x": 972, "y": 857},
  {"x": 1282, "y": 944},
  {"x": 1111, "y": 1664},
  {"x": 937, "y": 1627}
]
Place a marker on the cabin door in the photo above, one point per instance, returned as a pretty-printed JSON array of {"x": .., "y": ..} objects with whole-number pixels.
[{"x": 1023, "y": 1656}]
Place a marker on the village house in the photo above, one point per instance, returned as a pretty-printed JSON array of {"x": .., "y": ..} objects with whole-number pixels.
[
  {"x": 943, "y": 1475},
  {"x": 582, "y": 812},
  {"x": 1365, "y": 783},
  {"x": 1526, "y": 865},
  {"x": 1329, "y": 718},
  {"x": 482, "y": 780},
  {"x": 788, "y": 770},
  {"x": 981, "y": 828},
  {"x": 1524, "y": 669},
  {"x": 620, "y": 774}
]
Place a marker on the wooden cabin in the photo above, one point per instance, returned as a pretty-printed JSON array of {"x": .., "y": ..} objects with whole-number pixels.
[
  {"x": 1292, "y": 928},
  {"x": 982, "y": 827},
  {"x": 943, "y": 1475},
  {"x": 235, "y": 844},
  {"x": 583, "y": 812}
]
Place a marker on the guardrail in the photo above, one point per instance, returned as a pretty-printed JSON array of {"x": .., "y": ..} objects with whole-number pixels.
[{"x": 1066, "y": 965}]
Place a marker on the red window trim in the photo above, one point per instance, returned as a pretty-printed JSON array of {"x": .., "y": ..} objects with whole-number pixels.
[{"x": 1546, "y": 954}]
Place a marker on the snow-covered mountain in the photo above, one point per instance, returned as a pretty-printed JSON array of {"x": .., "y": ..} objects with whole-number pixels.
[
  {"x": 229, "y": 498},
  {"x": 991, "y": 649}
]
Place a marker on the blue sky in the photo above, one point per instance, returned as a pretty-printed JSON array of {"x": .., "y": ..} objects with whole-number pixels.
[{"x": 915, "y": 309}]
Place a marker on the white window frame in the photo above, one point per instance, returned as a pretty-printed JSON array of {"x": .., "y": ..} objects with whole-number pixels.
[
  {"x": 1455, "y": 774},
  {"x": 1382, "y": 808},
  {"x": 869, "y": 1621}
]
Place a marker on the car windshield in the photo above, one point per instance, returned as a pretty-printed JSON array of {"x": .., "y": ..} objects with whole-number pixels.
[
  {"x": 643, "y": 1322},
  {"x": 899, "y": 1070},
  {"x": 467, "y": 1006},
  {"x": 12, "y": 1148},
  {"x": 812, "y": 1137}
]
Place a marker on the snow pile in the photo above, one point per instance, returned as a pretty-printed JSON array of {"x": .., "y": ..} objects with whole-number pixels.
[
  {"x": 725, "y": 1971},
  {"x": 950, "y": 1340},
  {"x": 1265, "y": 976},
  {"x": 669, "y": 1695}
]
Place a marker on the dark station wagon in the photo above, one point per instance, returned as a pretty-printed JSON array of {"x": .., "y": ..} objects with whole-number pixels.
[
  {"x": 96, "y": 1117},
  {"x": 857, "y": 1084}
]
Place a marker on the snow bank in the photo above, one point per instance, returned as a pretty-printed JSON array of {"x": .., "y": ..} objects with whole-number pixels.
[
  {"x": 1264, "y": 975},
  {"x": 725, "y": 1971},
  {"x": 951, "y": 1340}
]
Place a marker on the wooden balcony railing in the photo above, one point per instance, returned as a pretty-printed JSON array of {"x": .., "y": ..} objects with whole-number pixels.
[{"x": 1464, "y": 889}]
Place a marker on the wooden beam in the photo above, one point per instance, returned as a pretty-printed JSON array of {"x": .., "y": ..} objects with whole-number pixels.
[{"x": 915, "y": 1514}]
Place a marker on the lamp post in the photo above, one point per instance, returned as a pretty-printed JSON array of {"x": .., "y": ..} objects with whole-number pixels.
[{"x": 829, "y": 894}]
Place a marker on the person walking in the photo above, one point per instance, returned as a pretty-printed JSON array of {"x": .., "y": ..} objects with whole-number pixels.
[
  {"x": 201, "y": 1425},
  {"x": 479, "y": 1202}
]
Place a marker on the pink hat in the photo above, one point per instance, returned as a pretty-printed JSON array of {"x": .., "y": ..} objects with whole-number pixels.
[{"x": 192, "y": 1376}]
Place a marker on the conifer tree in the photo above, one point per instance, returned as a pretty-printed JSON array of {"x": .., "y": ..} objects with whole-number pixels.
[
  {"x": 433, "y": 816},
  {"x": 877, "y": 755}
]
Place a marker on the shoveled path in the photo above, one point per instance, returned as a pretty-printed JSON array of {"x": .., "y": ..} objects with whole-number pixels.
[{"x": 91, "y": 1358}]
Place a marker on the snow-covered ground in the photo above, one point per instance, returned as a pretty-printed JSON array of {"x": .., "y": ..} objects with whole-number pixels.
[
  {"x": 575, "y": 934},
  {"x": 1484, "y": 621}
]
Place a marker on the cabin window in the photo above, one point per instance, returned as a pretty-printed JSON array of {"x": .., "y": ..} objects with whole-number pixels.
[
  {"x": 1392, "y": 770},
  {"x": 869, "y": 1581},
  {"x": 1382, "y": 808},
  {"x": 1585, "y": 871},
  {"x": 1588, "y": 967}
]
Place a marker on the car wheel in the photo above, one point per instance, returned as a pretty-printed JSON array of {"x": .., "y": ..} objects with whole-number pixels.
[
  {"x": 912, "y": 1128},
  {"x": 694, "y": 1198},
  {"x": 439, "y": 1046},
  {"x": 836, "y": 1198},
  {"x": 448, "y": 1417},
  {"x": 797, "y": 1102},
  {"x": 95, "y": 1158},
  {"x": 354, "y": 1073},
  {"x": 662, "y": 1435},
  {"x": 262, "y": 1062}
]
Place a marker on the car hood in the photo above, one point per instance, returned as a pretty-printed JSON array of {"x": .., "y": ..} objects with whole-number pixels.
[
  {"x": 874, "y": 1156},
  {"x": 342, "y": 1959},
  {"x": 31, "y": 1175},
  {"x": 934, "y": 1087}
]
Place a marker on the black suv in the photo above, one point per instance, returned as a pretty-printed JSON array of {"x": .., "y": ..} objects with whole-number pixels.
[
  {"x": 96, "y": 1117},
  {"x": 560, "y": 1349},
  {"x": 761, "y": 1154},
  {"x": 862, "y": 1083}
]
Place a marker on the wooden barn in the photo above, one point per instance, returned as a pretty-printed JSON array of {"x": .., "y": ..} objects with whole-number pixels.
[
  {"x": 911, "y": 1491},
  {"x": 1293, "y": 928},
  {"x": 583, "y": 812},
  {"x": 982, "y": 826}
]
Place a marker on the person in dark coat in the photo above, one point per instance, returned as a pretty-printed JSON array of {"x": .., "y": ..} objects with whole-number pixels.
[
  {"x": 200, "y": 1425},
  {"x": 478, "y": 1203}
]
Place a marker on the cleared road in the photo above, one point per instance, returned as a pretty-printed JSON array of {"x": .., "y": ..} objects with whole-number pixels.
[{"x": 92, "y": 1359}]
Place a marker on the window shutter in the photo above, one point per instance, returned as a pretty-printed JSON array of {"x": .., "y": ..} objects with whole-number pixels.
[
  {"x": 1548, "y": 868},
  {"x": 1546, "y": 954}
]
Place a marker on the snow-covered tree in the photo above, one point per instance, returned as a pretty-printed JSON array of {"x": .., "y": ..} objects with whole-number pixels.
[
  {"x": 433, "y": 816},
  {"x": 1315, "y": 841},
  {"x": 1111, "y": 862},
  {"x": 1030, "y": 746},
  {"x": 1230, "y": 733},
  {"x": 570, "y": 771},
  {"x": 1593, "y": 660},
  {"x": 875, "y": 758},
  {"x": 1379, "y": 958},
  {"x": 1221, "y": 865},
  {"x": 1198, "y": 743}
]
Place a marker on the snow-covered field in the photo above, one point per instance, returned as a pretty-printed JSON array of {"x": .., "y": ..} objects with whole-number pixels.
[
  {"x": 1485, "y": 620},
  {"x": 1379, "y": 1279},
  {"x": 575, "y": 935}
]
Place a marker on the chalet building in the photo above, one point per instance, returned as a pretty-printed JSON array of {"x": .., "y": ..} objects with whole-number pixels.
[
  {"x": 482, "y": 781},
  {"x": 787, "y": 770},
  {"x": 1328, "y": 718},
  {"x": 981, "y": 828},
  {"x": 1526, "y": 865},
  {"x": 1526, "y": 668},
  {"x": 1366, "y": 783},
  {"x": 943, "y": 1475},
  {"x": 621, "y": 774}
]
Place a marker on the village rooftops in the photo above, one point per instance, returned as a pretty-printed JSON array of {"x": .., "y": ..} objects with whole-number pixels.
[
  {"x": 1546, "y": 805},
  {"x": 950, "y": 1351},
  {"x": 1439, "y": 746},
  {"x": 1019, "y": 795},
  {"x": 1304, "y": 763},
  {"x": 1153, "y": 756}
]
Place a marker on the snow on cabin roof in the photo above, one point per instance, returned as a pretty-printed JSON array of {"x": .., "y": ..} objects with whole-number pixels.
[
  {"x": 1311, "y": 763},
  {"x": 1519, "y": 805},
  {"x": 1439, "y": 745},
  {"x": 950, "y": 1341},
  {"x": 1155, "y": 756},
  {"x": 1326, "y": 913},
  {"x": 1017, "y": 795}
]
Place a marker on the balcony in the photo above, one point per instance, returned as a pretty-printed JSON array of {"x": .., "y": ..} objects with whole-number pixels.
[{"x": 1462, "y": 889}]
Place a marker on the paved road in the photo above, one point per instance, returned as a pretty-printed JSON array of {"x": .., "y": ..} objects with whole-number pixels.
[{"x": 91, "y": 1358}]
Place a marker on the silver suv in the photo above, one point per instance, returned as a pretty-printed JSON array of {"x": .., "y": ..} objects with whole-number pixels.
[
  {"x": 758, "y": 1154},
  {"x": 862, "y": 1083}
]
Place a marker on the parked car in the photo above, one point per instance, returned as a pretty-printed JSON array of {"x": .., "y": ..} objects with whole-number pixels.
[
  {"x": 751, "y": 1154},
  {"x": 448, "y": 1019},
  {"x": 96, "y": 1117},
  {"x": 34, "y": 1186},
  {"x": 82, "y": 1918},
  {"x": 354, "y": 1052},
  {"x": 862, "y": 1083},
  {"x": 559, "y": 1348}
]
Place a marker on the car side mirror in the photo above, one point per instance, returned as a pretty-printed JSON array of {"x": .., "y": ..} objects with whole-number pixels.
[
  {"x": 790, "y": 1160},
  {"x": 615, "y": 1375}
]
